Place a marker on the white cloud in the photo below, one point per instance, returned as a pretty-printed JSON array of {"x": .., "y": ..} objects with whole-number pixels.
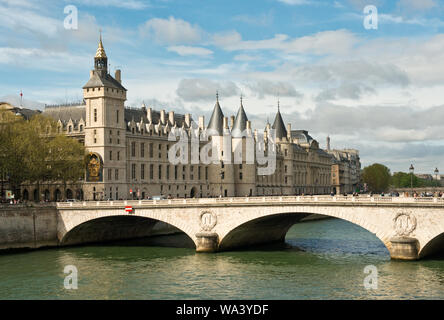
[
  {"x": 273, "y": 88},
  {"x": 19, "y": 19},
  {"x": 190, "y": 51},
  {"x": 204, "y": 89},
  {"x": 47, "y": 60},
  {"x": 415, "y": 5},
  {"x": 171, "y": 31},
  {"x": 326, "y": 42}
]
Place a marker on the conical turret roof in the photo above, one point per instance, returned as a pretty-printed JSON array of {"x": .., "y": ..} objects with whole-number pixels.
[
  {"x": 217, "y": 119},
  {"x": 240, "y": 123},
  {"x": 279, "y": 126}
]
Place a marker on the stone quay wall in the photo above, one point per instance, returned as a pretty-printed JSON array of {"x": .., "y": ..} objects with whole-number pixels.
[{"x": 28, "y": 226}]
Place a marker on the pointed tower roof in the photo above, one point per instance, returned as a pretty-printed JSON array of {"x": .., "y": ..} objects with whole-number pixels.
[
  {"x": 279, "y": 126},
  {"x": 100, "y": 50},
  {"x": 217, "y": 118},
  {"x": 240, "y": 123}
]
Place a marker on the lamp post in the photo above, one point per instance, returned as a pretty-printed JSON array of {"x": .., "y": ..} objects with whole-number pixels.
[
  {"x": 221, "y": 177},
  {"x": 411, "y": 169}
]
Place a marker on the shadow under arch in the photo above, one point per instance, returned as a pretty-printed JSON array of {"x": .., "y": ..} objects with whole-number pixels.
[
  {"x": 120, "y": 227},
  {"x": 269, "y": 229},
  {"x": 434, "y": 248}
]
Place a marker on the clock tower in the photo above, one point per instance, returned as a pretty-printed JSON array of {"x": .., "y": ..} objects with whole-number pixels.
[{"x": 105, "y": 132}]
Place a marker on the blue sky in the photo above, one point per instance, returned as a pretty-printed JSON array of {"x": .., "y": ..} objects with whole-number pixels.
[{"x": 378, "y": 90}]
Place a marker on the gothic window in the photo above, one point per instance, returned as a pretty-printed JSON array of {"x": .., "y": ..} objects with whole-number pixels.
[
  {"x": 95, "y": 115},
  {"x": 151, "y": 150},
  {"x": 133, "y": 149},
  {"x": 133, "y": 171}
]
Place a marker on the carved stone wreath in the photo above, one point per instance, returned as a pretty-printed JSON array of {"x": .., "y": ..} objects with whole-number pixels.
[
  {"x": 208, "y": 220},
  {"x": 404, "y": 223}
]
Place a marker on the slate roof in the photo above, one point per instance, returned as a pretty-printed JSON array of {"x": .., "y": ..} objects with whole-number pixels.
[
  {"x": 279, "y": 126},
  {"x": 217, "y": 119},
  {"x": 139, "y": 114},
  {"x": 302, "y": 136},
  {"x": 240, "y": 123},
  {"x": 64, "y": 113},
  {"x": 100, "y": 79}
]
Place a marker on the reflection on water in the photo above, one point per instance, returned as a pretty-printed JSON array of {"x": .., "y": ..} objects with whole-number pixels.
[{"x": 322, "y": 260}]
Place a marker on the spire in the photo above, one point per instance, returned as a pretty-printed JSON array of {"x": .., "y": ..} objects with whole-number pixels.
[
  {"x": 100, "y": 59},
  {"x": 217, "y": 118},
  {"x": 100, "y": 50},
  {"x": 240, "y": 123},
  {"x": 279, "y": 126}
]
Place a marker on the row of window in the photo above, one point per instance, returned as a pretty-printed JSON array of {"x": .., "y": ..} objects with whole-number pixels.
[{"x": 166, "y": 168}]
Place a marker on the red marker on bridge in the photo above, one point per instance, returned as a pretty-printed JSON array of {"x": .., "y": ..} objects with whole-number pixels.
[{"x": 128, "y": 209}]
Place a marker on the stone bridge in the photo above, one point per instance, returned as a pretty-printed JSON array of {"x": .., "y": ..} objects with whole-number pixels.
[{"x": 410, "y": 228}]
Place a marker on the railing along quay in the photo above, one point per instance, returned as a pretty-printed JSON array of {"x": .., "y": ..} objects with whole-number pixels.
[{"x": 253, "y": 200}]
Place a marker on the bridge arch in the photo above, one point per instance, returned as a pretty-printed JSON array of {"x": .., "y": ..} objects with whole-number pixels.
[
  {"x": 434, "y": 246},
  {"x": 263, "y": 227},
  {"x": 109, "y": 227}
]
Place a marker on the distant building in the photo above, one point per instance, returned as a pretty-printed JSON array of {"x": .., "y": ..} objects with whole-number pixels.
[{"x": 345, "y": 170}]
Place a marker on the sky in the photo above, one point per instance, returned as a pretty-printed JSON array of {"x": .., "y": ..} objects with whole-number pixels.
[{"x": 379, "y": 90}]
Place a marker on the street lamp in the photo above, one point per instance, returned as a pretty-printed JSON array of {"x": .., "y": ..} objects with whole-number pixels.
[
  {"x": 436, "y": 175},
  {"x": 411, "y": 169},
  {"x": 221, "y": 177}
]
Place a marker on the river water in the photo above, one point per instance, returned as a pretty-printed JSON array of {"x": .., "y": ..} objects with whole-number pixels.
[{"x": 321, "y": 260}]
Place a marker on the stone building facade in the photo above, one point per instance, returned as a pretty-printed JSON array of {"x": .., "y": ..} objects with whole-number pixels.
[
  {"x": 345, "y": 170},
  {"x": 128, "y": 149}
]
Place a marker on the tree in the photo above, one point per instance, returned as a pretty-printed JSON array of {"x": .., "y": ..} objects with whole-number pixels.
[
  {"x": 32, "y": 151},
  {"x": 377, "y": 177},
  {"x": 66, "y": 160},
  {"x": 406, "y": 180}
]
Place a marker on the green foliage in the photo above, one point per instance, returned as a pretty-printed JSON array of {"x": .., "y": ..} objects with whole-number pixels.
[
  {"x": 408, "y": 180},
  {"x": 32, "y": 151},
  {"x": 377, "y": 177}
]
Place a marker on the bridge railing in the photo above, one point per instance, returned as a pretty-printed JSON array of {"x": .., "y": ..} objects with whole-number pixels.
[{"x": 257, "y": 199}]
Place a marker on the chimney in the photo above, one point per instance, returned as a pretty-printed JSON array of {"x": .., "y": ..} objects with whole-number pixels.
[
  {"x": 231, "y": 121},
  {"x": 118, "y": 75},
  {"x": 201, "y": 122},
  {"x": 288, "y": 130},
  {"x": 162, "y": 116},
  {"x": 248, "y": 125},
  {"x": 328, "y": 143},
  {"x": 149, "y": 115},
  {"x": 171, "y": 117},
  {"x": 91, "y": 73},
  {"x": 225, "y": 126},
  {"x": 187, "y": 119}
]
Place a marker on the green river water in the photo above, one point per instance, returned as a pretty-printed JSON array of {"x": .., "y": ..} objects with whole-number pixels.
[{"x": 321, "y": 260}]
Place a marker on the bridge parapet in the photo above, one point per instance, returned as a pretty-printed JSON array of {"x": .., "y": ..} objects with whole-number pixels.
[{"x": 258, "y": 200}]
